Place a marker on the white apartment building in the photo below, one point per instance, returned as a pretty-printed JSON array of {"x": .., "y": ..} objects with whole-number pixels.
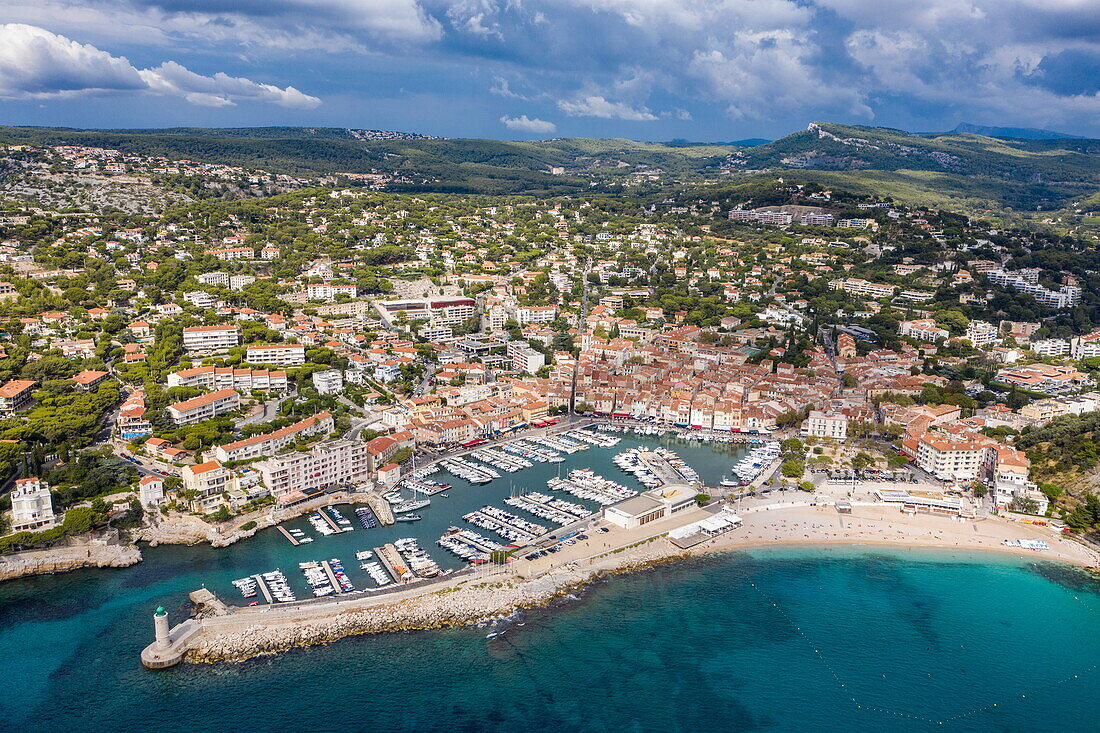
[
  {"x": 281, "y": 354},
  {"x": 1027, "y": 281},
  {"x": 201, "y": 339},
  {"x": 436, "y": 333},
  {"x": 329, "y": 291},
  {"x": 334, "y": 463},
  {"x": 981, "y": 334},
  {"x": 240, "y": 282},
  {"x": 820, "y": 424},
  {"x": 1082, "y": 347},
  {"x": 31, "y": 506},
  {"x": 524, "y": 358},
  {"x": 213, "y": 278},
  {"x": 200, "y": 299},
  {"x": 946, "y": 457},
  {"x": 856, "y": 286},
  {"x": 329, "y": 381},
  {"x": 265, "y": 445},
  {"x": 1050, "y": 347},
  {"x": 924, "y": 329},
  {"x": 537, "y": 314},
  {"x": 242, "y": 380},
  {"x": 204, "y": 407}
]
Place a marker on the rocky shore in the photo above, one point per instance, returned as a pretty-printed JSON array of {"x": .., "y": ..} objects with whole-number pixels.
[
  {"x": 228, "y": 639},
  {"x": 64, "y": 559}
]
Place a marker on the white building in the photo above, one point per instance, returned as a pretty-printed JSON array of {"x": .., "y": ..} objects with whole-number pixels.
[
  {"x": 1050, "y": 347},
  {"x": 31, "y": 506},
  {"x": 270, "y": 443},
  {"x": 924, "y": 329},
  {"x": 330, "y": 381},
  {"x": 289, "y": 476},
  {"x": 650, "y": 506},
  {"x": 981, "y": 334},
  {"x": 1083, "y": 347},
  {"x": 151, "y": 491},
  {"x": 281, "y": 354},
  {"x": 213, "y": 278},
  {"x": 204, "y": 406},
  {"x": 201, "y": 339},
  {"x": 819, "y": 424},
  {"x": 242, "y": 380},
  {"x": 524, "y": 358}
]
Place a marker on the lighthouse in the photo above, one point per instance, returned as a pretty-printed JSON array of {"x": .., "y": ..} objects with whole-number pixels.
[{"x": 160, "y": 626}]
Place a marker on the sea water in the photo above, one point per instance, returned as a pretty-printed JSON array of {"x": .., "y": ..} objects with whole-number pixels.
[{"x": 798, "y": 639}]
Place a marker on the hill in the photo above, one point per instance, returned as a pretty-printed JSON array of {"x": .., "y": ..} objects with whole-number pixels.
[
  {"x": 1020, "y": 133},
  {"x": 938, "y": 169},
  {"x": 958, "y": 170}
]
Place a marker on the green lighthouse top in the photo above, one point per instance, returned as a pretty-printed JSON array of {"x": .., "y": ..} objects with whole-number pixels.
[{"x": 160, "y": 611}]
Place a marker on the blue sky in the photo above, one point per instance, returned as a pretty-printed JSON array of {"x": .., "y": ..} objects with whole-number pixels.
[{"x": 643, "y": 69}]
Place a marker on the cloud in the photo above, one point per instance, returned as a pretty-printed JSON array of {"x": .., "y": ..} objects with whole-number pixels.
[
  {"x": 528, "y": 124},
  {"x": 330, "y": 26},
  {"x": 597, "y": 106},
  {"x": 35, "y": 63}
]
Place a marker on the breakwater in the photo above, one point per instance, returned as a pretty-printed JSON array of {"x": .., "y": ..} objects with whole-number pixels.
[{"x": 218, "y": 633}]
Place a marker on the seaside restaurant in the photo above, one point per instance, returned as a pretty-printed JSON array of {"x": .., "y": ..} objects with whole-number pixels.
[{"x": 650, "y": 506}]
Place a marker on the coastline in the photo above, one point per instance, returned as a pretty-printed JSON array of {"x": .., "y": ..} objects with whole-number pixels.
[
  {"x": 237, "y": 634},
  {"x": 65, "y": 559}
]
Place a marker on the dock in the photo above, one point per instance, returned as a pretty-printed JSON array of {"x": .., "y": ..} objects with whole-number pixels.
[
  {"x": 288, "y": 535},
  {"x": 331, "y": 522},
  {"x": 263, "y": 589},
  {"x": 331, "y": 576},
  {"x": 391, "y": 561}
]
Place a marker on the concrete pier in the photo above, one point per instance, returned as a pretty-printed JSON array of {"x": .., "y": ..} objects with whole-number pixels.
[{"x": 288, "y": 535}]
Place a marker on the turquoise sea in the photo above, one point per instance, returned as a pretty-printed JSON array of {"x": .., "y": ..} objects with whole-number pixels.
[{"x": 805, "y": 639}]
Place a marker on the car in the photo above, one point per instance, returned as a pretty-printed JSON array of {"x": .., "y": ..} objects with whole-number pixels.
[
  {"x": 163, "y": 473},
  {"x": 555, "y": 548},
  {"x": 123, "y": 455},
  {"x": 570, "y": 542},
  {"x": 582, "y": 537},
  {"x": 532, "y": 556},
  {"x": 603, "y": 530}
]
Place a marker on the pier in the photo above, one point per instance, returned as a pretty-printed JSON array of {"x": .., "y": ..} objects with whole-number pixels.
[
  {"x": 288, "y": 535},
  {"x": 331, "y": 576},
  {"x": 392, "y": 562},
  {"x": 331, "y": 522},
  {"x": 264, "y": 589}
]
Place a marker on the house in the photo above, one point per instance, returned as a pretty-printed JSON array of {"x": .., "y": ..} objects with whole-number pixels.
[
  {"x": 15, "y": 395},
  {"x": 89, "y": 379},
  {"x": 31, "y": 505}
]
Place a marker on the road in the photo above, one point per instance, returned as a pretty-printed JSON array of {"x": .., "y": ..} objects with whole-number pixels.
[{"x": 270, "y": 411}]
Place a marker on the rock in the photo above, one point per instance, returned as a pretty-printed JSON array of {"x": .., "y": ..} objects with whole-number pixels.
[{"x": 64, "y": 559}]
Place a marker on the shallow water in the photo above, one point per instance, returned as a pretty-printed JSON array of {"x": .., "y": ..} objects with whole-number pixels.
[
  {"x": 786, "y": 639},
  {"x": 795, "y": 639}
]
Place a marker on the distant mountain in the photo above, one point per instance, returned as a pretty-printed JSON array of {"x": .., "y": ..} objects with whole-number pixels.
[
  {"x": 983, "y": 172},
  {"x": 1017, "y": 133},
  {"x": 956, "y": 170}
]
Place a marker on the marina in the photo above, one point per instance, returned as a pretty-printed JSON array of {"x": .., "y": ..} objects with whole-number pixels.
[{"x": 545, "y": 496}]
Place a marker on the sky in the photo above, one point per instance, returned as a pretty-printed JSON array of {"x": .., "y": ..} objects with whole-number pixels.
[{"x": 707, "y": 70}]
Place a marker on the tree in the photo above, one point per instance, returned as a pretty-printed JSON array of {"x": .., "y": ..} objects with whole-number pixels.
[{"x": 793, "y": 468}]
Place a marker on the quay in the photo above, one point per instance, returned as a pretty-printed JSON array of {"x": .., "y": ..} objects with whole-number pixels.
[{"x": 288, "y": 535}]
